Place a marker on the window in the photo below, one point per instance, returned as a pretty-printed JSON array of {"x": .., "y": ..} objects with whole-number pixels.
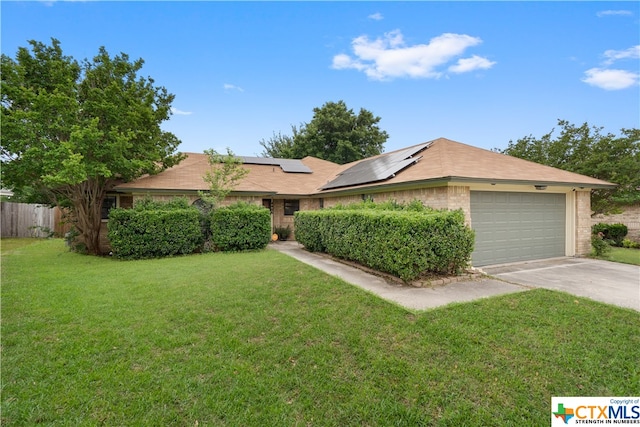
[
  {"x": 291, "y": 207},
  {"x": 321, "y": 203},
  {"x": 267, "y": 204},
  {"x": 202, "y": 205},
  {"x": 108, "y": 203},
  {"x": 125, "y": 202}
]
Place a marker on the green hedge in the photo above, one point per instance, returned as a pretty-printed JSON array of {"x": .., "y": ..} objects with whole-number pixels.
[
  {"x": 152, "y": 231},
  {"x": 615, "y": 233},
  {"x": 406, "y": 241},
  {"x": 240, "y": 227}
]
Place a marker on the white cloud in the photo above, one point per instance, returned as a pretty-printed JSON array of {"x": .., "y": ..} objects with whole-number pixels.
[
  {"x": 615, "y": 55},
  {"x": 614, "y": 79},
  {"x": 613, "y": 13},
  {"x": 376, "y": 16},
  {"x": 228, "y": 87},
  {"x": 180, "y": 112},
  {"x": 464, "y": 65},
  {"x": 610, "y": 79},
  {"x": 389, "y": 57}
]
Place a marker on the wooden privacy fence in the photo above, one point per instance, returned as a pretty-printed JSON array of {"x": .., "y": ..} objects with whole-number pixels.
[{"x": 28, "y": 220}]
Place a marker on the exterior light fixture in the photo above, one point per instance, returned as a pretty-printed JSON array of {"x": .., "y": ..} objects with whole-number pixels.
[{"x": 540, "y": 187}]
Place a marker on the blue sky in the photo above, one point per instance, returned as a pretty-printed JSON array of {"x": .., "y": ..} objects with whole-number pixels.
[{"x": 482, "y": 73}]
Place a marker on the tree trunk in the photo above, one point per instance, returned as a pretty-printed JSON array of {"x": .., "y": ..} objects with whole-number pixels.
[{"x": 87, "y": 199}]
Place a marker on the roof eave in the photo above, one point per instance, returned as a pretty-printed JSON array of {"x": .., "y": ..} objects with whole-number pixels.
[
  {"x": 433, "y": 182},
  {"x": 532, "y": 182}
]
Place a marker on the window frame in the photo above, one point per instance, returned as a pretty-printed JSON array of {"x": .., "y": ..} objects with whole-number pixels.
[
  {"x": 104, "y": 214},
  {"x": 291, "y": 206}
]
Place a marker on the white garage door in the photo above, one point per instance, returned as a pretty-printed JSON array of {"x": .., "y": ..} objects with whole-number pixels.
[{"x": 514, "y": 227}]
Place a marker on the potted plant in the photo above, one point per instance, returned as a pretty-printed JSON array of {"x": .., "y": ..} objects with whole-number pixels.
[{"x": 282, "y": 232}]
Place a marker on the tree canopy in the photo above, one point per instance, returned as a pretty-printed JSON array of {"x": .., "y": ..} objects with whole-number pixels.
[
  {"x": 226, "y": 172},
  {"x": 72, "y": 130},
  {"x": 335, "y": 133},
  {"x": 587, "y": 151}
]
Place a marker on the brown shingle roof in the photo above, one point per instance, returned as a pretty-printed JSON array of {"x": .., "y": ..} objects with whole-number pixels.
[
  {"x": 444, "y": 160},
  {"x": 262, "y": 179},
  {"x": 453, "y": 161}
]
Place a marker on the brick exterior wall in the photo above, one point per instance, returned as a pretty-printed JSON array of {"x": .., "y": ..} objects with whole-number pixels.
[
  {"x": 630, "y": 217},
  {"x": 583, "y": 222}
]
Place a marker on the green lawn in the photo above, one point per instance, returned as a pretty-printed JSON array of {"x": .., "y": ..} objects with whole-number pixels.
[
  {"x": 623, "y": 255},
  {"x": 259, "y": 339}
]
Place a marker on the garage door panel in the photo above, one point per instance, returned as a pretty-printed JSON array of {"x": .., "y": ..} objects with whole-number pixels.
[{"x": 513, "y": 226}]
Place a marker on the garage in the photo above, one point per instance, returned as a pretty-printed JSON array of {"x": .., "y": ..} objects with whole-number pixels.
[{"x": 513, "y": 226}]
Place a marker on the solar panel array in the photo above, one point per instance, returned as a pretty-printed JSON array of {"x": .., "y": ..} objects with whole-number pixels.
[
  {"x": 377, "y": 169},
  {"x": 287, "y": 165}
]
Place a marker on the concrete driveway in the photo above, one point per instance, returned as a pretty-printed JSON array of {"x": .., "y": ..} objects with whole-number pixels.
[{"x": 609, "y": 282}]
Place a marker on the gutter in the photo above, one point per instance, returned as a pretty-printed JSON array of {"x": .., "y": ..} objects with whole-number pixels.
[{"x": 436, "y": 182}]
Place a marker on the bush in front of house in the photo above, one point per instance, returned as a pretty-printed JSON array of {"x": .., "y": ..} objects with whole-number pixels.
[
  {"x": 614, "y": 233},
  {"x": 405, "y": 242},
  {"x": 630, "y": 244},
  {"x": 310, "y": 227},
  {"x": 599, "y": 244},
  {"x": 154, "y": 229},
  {"x": 240, "y": 227}
]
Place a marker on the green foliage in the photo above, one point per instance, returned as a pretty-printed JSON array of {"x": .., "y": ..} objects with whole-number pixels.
[
  {"x": 240, "y": 227},
  {"x": 585, "y": 150},
  {"x": 612, "y": 232},
  {"x": 404, "y": 241},
  {"x": 226, "y": 171},
  {"x": 282, "y": 232},
  {"x": 154, "y": 230},
  {"x": 630, "y": 244},
  {"x": 388, "y": 205},
  {"x": 71, "y": 130},
  {"x": 599, "y": 245},
  {"x": 72, "y": 242},
  {"x": 281, "y": 146},
  {"x": 40, "y": 231},
  {"x": 149, "y": 204},
  {"x": 335, "y": 133}
]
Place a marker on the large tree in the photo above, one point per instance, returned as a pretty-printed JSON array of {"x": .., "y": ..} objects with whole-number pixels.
[
  {"x": 587, "y": 151},
  {"x": 280, "y": 146},
  {"x": 336, "y": 133},
  {"x": 72, "y": 130}
]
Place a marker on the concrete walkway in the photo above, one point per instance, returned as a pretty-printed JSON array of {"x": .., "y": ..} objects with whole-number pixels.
[
  {"x": 406, "y": 296},
  {"x": 608, "y": 282}
]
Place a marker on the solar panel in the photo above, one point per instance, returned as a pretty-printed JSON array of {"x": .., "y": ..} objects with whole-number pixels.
[
  {"x": 294, "y": 166},
  {"x": 377, "y": 169},
  {"x": 287, "y": 165}
]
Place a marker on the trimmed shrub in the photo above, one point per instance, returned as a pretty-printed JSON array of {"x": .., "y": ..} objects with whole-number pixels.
[
  {"x": 630, "y": 244},
  {"x": 240, "y": 227},
  {"x": 403, "y": 242},
  {"x": 613, "y": 232},
  {"x": 310, "y": 226},
  {"x": 153, "y": 232},
  {"x": 149, "y": 204},
  {"x": 599, "y": 244}
]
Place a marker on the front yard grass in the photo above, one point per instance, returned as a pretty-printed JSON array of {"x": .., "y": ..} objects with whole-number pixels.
[
  {"x": 623, "y": 255},
  {"x": 261, "y": 339}
]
